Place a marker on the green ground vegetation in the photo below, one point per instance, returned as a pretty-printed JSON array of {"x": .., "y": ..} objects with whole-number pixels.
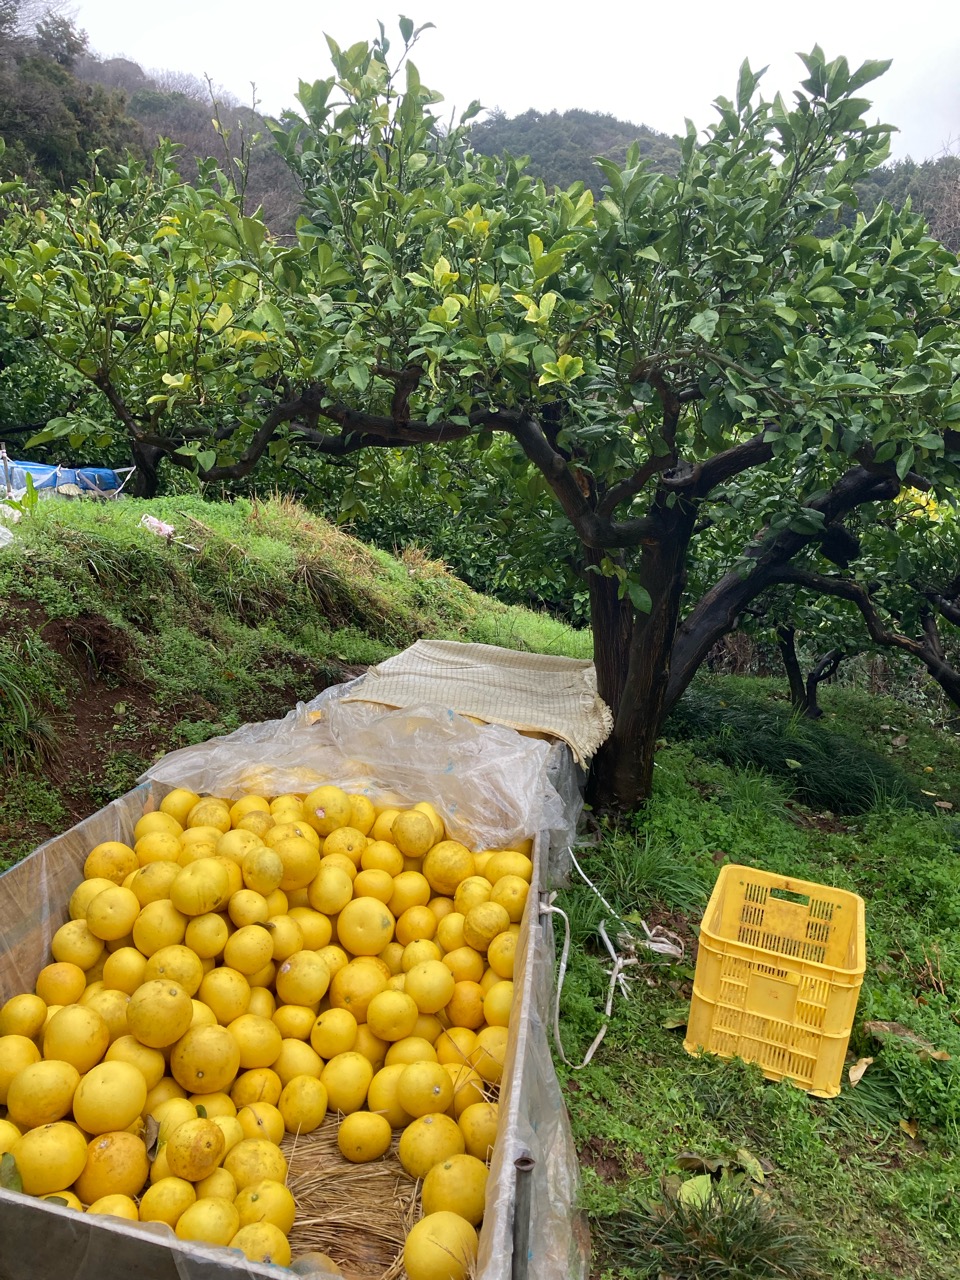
[
  {"x": 863, "y": 1187},
  {"x": 117, "y": 644}
]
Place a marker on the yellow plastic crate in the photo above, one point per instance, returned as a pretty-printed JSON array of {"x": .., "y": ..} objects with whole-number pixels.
[{"x": 778, "y": 975}]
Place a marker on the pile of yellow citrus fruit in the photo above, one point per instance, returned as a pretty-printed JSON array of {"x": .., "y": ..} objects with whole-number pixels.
[{"x": 243, "y": 970}]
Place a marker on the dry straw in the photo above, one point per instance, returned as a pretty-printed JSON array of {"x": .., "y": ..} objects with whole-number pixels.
[{"x": 359, "y": 1214}]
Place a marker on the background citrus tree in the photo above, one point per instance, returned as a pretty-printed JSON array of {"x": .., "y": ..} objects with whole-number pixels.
[{"x": 711, "y": 350}]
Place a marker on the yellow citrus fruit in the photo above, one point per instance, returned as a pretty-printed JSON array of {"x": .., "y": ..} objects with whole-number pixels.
[
  {"x": 296, "y": 1059},
  {"x": 178, "y": 964},
  {"x": 74, "y": 943},
  {"x": 152, "y": 883},
  {"x": 116, "y": 1164},
  {"x": 501, "y": 954},
  {"x": 467, "y": 1087},
  {"x": 112, "y": 861},
  {"x": 491, "y": 1053},
  {"x": 166, "y": 1200},
  {"x": 347, "y": 841},
  {"x": 158, "y": 846},
  {"x": 392, "y": 953},
  {"x": 110, "y": 1096},
  {"x": 258, "y": 1040},
  {"x": 472, "y": 892},
  {"x": 207, "y": 935},
  {"x": 498, "y": 1002},
  {"x": 410, "y": 1049},
  {"x": 267, "y": 1201},
  {"x": 254, "y": 1159},
  {"x": 330, "y": 890},
  {"x": 172, "y": 1113},
  {"x": 84, "y": 894},
  {"x": 210, "y": 1220},
  {"x": 303, "y": 1104},
  {"x": 465, "y": 963},
  {"x": 511, "y": 893},
  {"x": 428, "y": 1140},
  {"x": 195, "y": 1148},
  {"x": 508, "y": 862},
  {"x": 441, "y": 907},
  {"x": 346, "y": 1078},
  {"x": 77, "y": 1035},
  {"x": 201, "y": 886},
  {"x": 123, "y": 970},
  {"x": 447, "y": 865},
  {"x": 219, "y": 1183},
  {"x": 262, "y": 1242},
  {"x": 287, "y": 935},
  {"x": 465, "y": 1008},
  {"x": 247, "y": 907},
  {"x": 210, "y": 812},
  {"x": 263, "y": 1003},
  {"x": 413, "y": 833},
  {"x": 478, "y": 1124},
  {"x": 234, "y": 874},
  {"x": 116, "y": 1207},
  {"x": 158, "y": 925},
  {"x": 372, "y": 1047},
  {"x": 69, "y": 1200},
  {"x": 483, "y": 922},
  {"x": 374, "y": 883},
  {"x": 262, "y": 1120},
  {"x": 9, "y": 1133},
  {"x": 300, "y": 859},
  {"x": 16, "y": 1052},
  {"x": 231, "y": 1129},
  {"x": 381, "y": 855},
  {"x": 149, "y": 1062},
  {"x": 430, "y": 985},
  {"x": 382, "y": 1096},
  {"x": 50, "y": 1158},
  {"x": 333, "y": 1032},
  {"x": 392, "y": 1015},
  {"x": 302, "y": 978},
  {"x": 214, "y": 1104},
  {"x": 354, "y": 986},
  {"x": 289, "y": 801},
  {"x": 236, "y": 844},
  {"x": 441, "y": 1246},
  {"x": 425, "y": 1088},
  {"x": 424, "y": 806},
  {"x": 159, "y": 1013},
  {"x": 419, "y": 952},
  {"x": 294, "y": 1021},
  {"x": 257, "y": 823},
  {"x": 227, "y": 992},
  {"x": 364, "y": 1136},
  {"x": 457, "y": 1185},
  {"x": 326, "y": 809},
  {"x": 450, "y": 931},
  {"x": 157, "y": 821},
  {"x": 428, "y": 1027},
  {"x": 203, "y": 1016},
  {"x": 457, "y": 1045},
  {"x": 362, "y": 814},
  {"x": 248, "y": 804},
  {"x": 178, "y": 804},
  {"x": 410, "y": 889},
  {"x": 262, "y": 869},
  {"x": 165, "y": 1089},
  {"x": 57, "y": 983},
  {"x": 416, "y": 924},
  {"x": 334, "y": 957},
  {"x": 383, "y": 824},
  {"x": 315, "y": 928},
  {"x": 249, "y": 949},
  {"x": 259, "y": 1084},
  {"x": 365, "y": 926},
  {"x": 205, "y": 1060}
]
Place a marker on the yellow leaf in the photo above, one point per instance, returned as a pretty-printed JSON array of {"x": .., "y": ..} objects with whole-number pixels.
[
  {"x": 858, "y": 1069},
  {"x": 910, "y": 1127}
]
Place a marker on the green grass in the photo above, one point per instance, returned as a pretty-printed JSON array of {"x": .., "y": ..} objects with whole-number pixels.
[{"x": 860, "y": 1197}]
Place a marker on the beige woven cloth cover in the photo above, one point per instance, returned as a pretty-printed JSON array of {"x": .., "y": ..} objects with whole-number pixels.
[{"x": 532, "y": 692}]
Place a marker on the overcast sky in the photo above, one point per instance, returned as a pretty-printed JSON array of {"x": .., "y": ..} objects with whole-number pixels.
[{"x": 651, "y": 63}]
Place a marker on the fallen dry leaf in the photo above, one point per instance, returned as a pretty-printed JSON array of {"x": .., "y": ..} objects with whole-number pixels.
[
  {"x": 899, "y": 741},
  {"x": 942, "y": 804},
  {"x": 858, "y": 1069},
  {"x": 910, "y": 1127}
]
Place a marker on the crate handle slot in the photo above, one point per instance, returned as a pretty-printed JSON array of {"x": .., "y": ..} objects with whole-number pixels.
[{"x": 787, "y": 895}]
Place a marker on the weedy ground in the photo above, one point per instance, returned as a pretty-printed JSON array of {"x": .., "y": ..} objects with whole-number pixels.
[
  {"x": 117, "y": 645},
  {"x": 864, "y": 1187}
]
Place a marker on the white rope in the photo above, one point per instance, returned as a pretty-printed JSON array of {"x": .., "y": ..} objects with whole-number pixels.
[{"x": 659, "y": 940}]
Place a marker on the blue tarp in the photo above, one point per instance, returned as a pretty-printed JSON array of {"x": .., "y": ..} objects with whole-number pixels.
[{"x": 45, "y": 476}]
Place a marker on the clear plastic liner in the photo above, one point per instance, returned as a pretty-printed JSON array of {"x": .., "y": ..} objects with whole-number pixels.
[{"x": 492, "y": 786}]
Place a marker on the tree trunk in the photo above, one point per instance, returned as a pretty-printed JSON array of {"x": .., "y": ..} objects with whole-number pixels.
[
  {"x": 145, "y": 479},
  {"x": 786, "y": 643},
  {"x": 824, "y": 669},
  {"x": 621, "y": 778},
  {"x": 611, "y": 620}
]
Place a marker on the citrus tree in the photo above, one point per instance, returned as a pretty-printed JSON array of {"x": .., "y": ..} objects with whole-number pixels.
[{"x": 705, "y": 359}]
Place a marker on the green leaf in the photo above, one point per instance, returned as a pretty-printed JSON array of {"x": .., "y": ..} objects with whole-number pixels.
[
  {"x": 905, "y": 462},
  {"x": 911, "y": 384},
  {"x": 206, "y": 459},
  {"x": 10, "y": 1179},
  {"x": 696, "y": 1191},
  {"x": 704, "y": 325},
  {"x": 826, "y": 294}
]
